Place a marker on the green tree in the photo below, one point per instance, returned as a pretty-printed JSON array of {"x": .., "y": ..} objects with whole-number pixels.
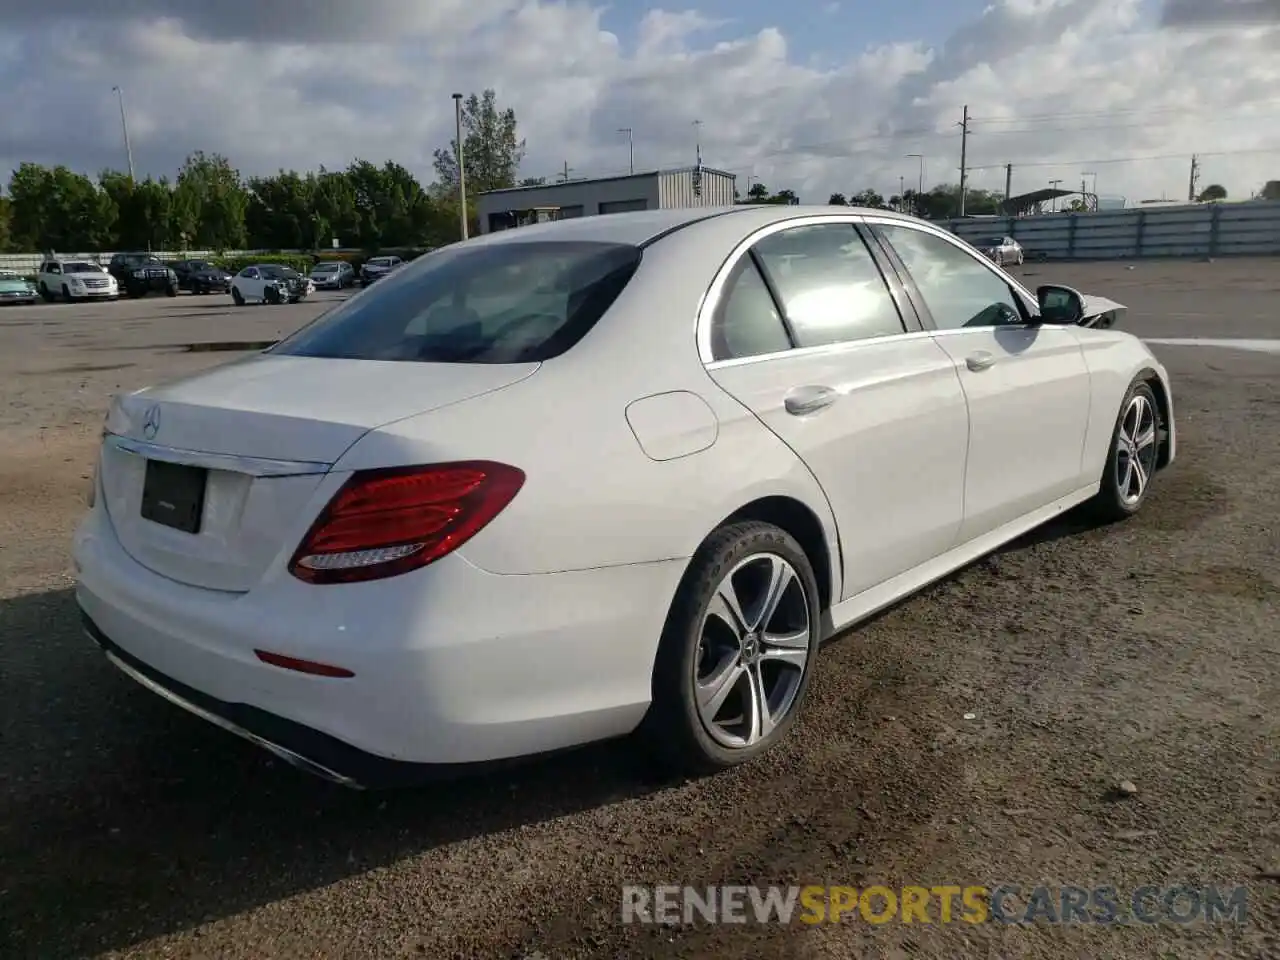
[
  {"x": 210, "y": 202},
  {"x": 837, "y": 200},
  {"x": 144, "y": 209},
  {"x": 867, "y": 198},
  {"x": 54, "y": 208},
  {"x": 6, "y": 219},
  {"x": 1213, "y": 193},
  {"x": 493, "y": 151}
]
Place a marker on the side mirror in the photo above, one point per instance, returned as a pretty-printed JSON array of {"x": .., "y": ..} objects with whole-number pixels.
[{"x": 1059, "y": 305}]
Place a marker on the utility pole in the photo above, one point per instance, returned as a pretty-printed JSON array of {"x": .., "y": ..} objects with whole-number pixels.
[
  {"x": 1008, "y": 187},
  {"x": 964, "y": 154},
  {"x": 902, "y": 189},
  {"x": 462, "y": 174},
  {"x": 1053, "y": 185},
  {"x": 631, "y": 146},
  {"x": 124, "y": 127},
  {"x": 1195, "y": 179},
  {"x": 919, "y": 181},
  {"x": 564, "y": 175}
]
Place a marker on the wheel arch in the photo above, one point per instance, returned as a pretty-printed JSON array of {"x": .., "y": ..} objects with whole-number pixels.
[
  {"x": 1152, "y": 379},
  {"x": 796, "y": 518}
]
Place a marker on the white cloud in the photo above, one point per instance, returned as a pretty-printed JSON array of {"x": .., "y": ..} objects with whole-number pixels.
[{"x": 275, "y": 84}]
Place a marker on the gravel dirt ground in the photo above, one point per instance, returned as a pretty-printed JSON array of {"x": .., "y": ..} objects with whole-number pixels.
[{"x": 974, "y": 734}]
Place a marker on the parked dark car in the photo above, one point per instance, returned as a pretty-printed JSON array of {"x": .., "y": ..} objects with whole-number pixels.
[
  {"x": 201, "y": 276},
  {"x": 376, "y": 268},
  {"x": 141, "y": 273}
]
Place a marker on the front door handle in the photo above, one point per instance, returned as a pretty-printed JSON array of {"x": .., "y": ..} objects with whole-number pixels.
[
  {"x": 806, "y": 400},
  {"x": 982, "y": 360}
]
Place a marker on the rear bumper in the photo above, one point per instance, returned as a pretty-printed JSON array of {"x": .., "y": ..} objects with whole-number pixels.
[{"x": 453, "y": 666}]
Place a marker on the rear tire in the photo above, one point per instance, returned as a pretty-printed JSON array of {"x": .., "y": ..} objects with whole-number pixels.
[
  {"x": 761, "y": 667},
  {"x": 236, "y": 296},
  {"x": 1131, "y": 461}
]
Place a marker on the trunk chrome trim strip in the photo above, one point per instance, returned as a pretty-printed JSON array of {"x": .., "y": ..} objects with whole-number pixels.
[{"x": 253, "y": 466}]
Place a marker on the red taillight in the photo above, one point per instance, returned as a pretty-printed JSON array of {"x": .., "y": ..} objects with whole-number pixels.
[{"x": 386, "y": 522}]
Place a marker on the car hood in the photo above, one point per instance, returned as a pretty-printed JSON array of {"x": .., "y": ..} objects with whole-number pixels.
[{"x": 1096, "y": 307}]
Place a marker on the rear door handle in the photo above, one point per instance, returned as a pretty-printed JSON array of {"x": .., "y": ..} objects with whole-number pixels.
[
  {"x": 811, "y": 399},
  {"x": 982, "y": 360}
]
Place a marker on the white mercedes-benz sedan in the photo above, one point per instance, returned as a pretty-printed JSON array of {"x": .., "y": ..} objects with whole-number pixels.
[{"x": 610, "y": 475}]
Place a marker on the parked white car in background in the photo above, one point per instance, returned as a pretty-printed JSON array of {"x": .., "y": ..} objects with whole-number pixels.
[
  {"x": 75, "y": 280},
  {"x": 1002, "y": 251},
  {"x": 594, "y": 477},
  {"x": 333, "y": 275},
  {"x": 269, "y": 283}
]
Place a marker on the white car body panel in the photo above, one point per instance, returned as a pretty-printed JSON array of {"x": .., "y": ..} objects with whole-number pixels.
[{"x": 540, "y": 632}]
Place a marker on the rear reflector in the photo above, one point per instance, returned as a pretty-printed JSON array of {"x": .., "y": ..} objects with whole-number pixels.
[
  {"x": 386, "y": 522},
  {"x": 303, "y": 666}
]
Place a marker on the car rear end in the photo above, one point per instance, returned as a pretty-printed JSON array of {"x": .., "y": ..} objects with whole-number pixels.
[{"x": 260, "y": 552}]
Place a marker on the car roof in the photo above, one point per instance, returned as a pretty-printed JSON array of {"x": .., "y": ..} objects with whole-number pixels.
[{"x": 648, "y": 226}]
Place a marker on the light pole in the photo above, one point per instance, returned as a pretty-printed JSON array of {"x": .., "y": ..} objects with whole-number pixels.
[
  {"x": 1053, "y": 185},
  {"x": 631, "y": 146},
  {"x": 462, "y": 176},
  {"x": 919, "y": 181},
  {"x": 124, "y": 127},
  {"x": 1091, "y": 173}
]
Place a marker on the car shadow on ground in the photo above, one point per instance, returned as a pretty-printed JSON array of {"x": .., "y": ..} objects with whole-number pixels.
[{"x": 122, "y": 818}]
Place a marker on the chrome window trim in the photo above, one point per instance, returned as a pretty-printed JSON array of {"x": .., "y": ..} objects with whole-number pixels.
[{"x": 253, "y": 466}]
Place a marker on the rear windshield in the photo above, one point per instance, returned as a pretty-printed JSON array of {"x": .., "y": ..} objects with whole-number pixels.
[
  {"x": 515, "y": 302},
  {"x": 325, "y": 268}
]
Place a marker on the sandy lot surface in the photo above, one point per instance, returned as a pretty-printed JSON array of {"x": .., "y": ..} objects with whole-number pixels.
[{"x": 1144, "y": 652}]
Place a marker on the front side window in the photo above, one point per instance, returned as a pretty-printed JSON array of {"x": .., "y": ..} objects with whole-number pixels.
[
  {"x": 959, "y": 289},
  {"x": 830, "y": 288},
  {"x": 519, "y": 302}
]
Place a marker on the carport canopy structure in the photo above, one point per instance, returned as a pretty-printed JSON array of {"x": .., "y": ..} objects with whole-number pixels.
[{"x": 1027, "y": 203}]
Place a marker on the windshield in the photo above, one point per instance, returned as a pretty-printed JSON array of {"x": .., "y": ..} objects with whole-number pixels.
[
  {"x": 79, "y": 266},
  {"x": 380, "y": 262},
  {"x": 199, "y": 265},
  {"x": 143, "y": 261},
  {"x": 993, "y": 242},
  {"x": 272, "y": 272},
  {"x": 6, "y": 275},
  {"x": 325, "y": 268},
  {"x": 517, "y": 302}
]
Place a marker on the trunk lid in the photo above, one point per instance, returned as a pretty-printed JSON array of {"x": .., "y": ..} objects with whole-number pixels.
[{"x": 260, "y": 434}]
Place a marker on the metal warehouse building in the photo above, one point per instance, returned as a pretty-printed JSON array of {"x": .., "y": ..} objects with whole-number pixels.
[{"x": 659, "y": 190}]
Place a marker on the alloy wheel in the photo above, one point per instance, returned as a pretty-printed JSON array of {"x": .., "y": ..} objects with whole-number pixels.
[
  {"x": 753, "y": 651},
  {"x": 1135, "y": 449}
]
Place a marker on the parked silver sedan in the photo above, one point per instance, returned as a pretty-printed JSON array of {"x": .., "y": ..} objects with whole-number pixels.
[
  {"x": 1001, "y": 250},
  {"x": 333, "y": 274}
]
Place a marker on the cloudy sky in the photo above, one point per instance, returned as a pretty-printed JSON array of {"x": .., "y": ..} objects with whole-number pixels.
[{"x": 816, "y": 95}]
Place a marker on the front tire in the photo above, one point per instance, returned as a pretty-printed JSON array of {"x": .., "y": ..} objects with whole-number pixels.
[
  {"x": 66, "y": 294},
  {"x": 737, "y": 652},
  {"x": 1132, "y": 459},
  {"x": 237, "y": 297},
  {"x": 45, "y": 294}
]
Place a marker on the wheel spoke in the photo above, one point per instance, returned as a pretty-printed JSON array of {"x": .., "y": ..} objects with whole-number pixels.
[
  {"x": 726, "y": 608},
  {"x": 1139, "y": 474},
  {"x": 1126, "y": 475},
  {"x": 779, "y": 579},
  {"x": 714, "y": 690},
  {"x": 759, "y": 722},
  {"x": 1146, "y": 438}
]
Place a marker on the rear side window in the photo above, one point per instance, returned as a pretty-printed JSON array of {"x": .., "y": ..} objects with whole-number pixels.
[
  {"x": 829, "y": 284},
  {"x": 518, "y": 302},
  {"x": 747, "y": 323}
]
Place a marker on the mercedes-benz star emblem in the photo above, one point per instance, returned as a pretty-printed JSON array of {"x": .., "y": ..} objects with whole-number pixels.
[{"x": 151, "y": 425}]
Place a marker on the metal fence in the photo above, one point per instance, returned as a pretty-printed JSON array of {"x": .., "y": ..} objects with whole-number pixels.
[{"x": 1196, "y": 230}]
